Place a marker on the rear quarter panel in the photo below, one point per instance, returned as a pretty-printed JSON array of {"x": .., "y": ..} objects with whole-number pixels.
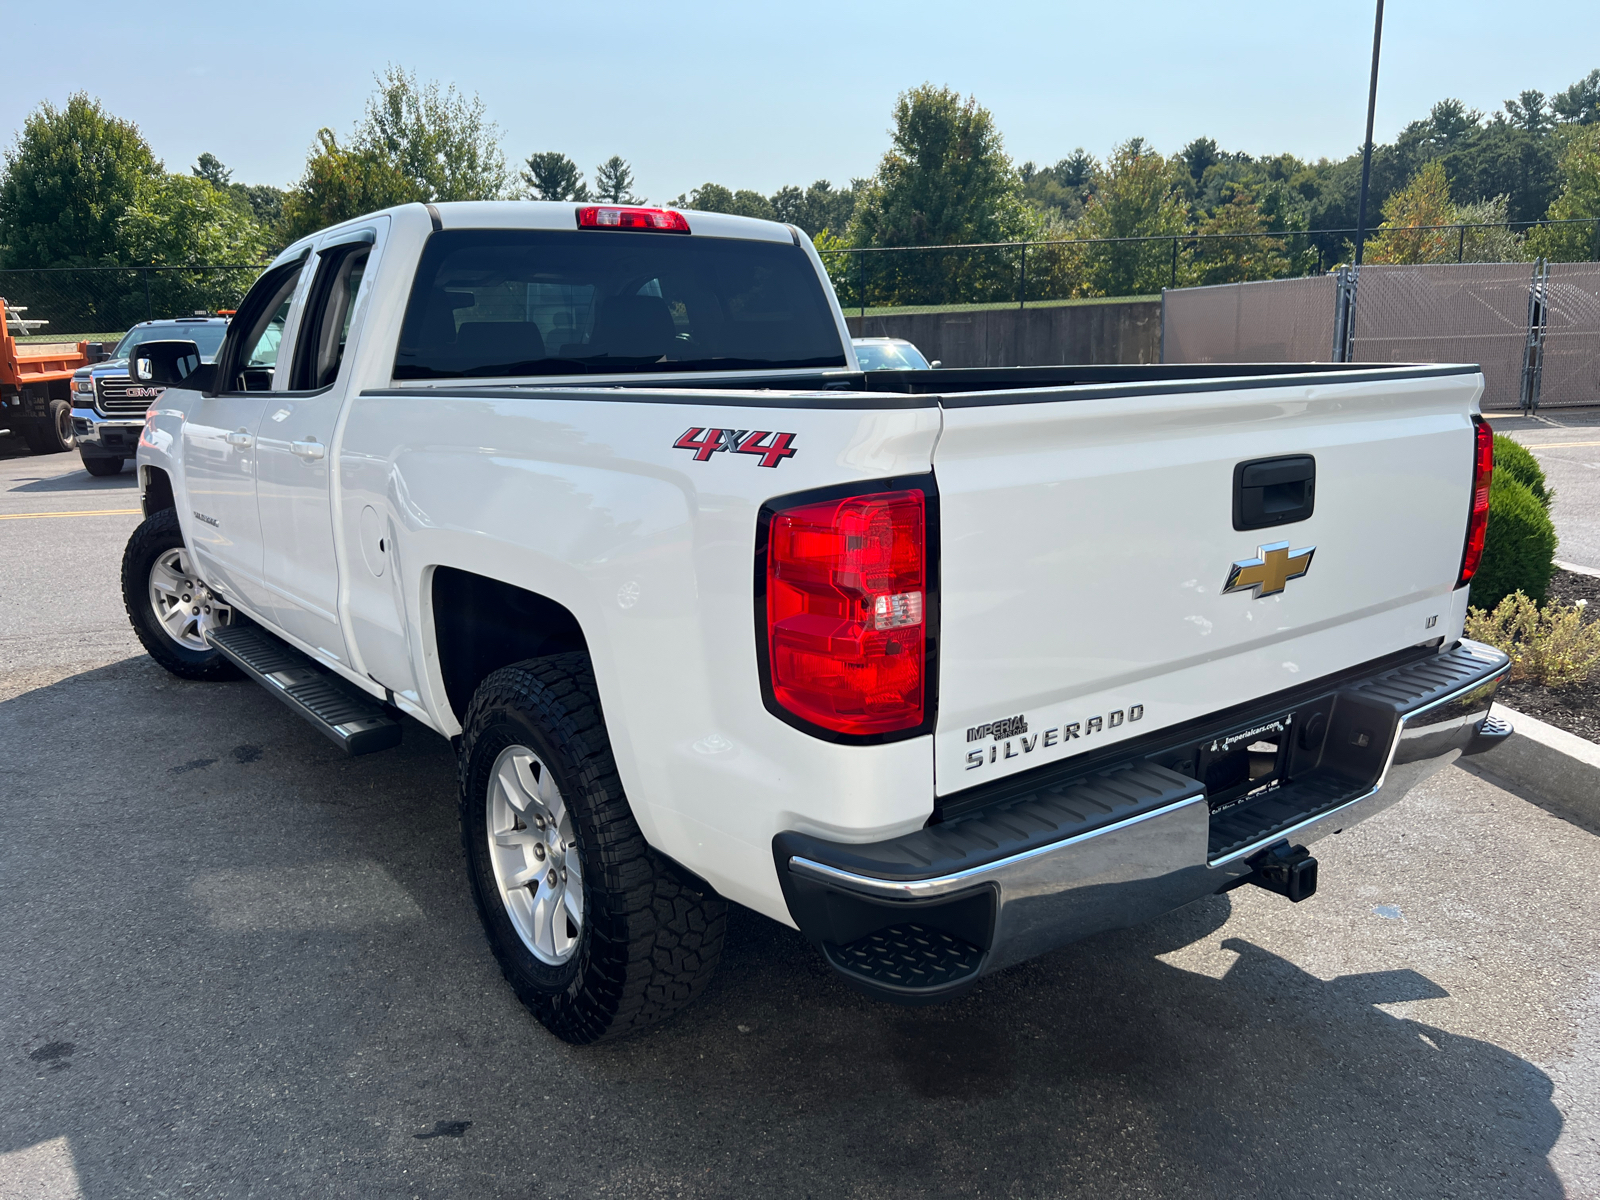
[{"x": 581, "y": 497}]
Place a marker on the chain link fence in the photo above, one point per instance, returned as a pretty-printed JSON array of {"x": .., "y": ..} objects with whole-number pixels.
[
  {"x": 913, "y": 279},
  {"x": 1473, "y": 313},
  {"x": 1534, "y": 328},
  {"x": 1568, "y": 361},
  {"x": 89, "y": 303},
  {"x": 1288, "y": 320}
]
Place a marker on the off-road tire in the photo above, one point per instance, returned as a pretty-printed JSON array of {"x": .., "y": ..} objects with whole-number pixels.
[
  {"x": 159, "y": 533},
  {"x": 651, "y": 935},
  {"x": 53, "y": 435},
  {"x": 103, "y": 466}
]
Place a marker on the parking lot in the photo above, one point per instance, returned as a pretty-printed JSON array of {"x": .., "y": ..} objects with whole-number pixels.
[
  {"x": 235, "y": 963},
  {"x": 1567, "y": 445}
]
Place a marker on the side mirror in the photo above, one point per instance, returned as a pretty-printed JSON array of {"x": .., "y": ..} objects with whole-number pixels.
[
  {"x": 935, "y": 365},
  {"x": 168, "y": 364}
]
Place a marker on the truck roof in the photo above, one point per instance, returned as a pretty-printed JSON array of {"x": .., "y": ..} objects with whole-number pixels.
[{"x": 555, "y": 215}]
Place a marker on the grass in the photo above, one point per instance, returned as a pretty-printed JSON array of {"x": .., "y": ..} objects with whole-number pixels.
[{"x": 851, "y": 310}]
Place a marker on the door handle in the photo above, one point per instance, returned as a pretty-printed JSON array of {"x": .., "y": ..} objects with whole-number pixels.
[
  {"x": 309, "y": 449},
  {"x": 240, "y": 438}
]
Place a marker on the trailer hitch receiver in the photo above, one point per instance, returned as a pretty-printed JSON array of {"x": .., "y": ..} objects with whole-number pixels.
[{"x": 1288, "y": 870}]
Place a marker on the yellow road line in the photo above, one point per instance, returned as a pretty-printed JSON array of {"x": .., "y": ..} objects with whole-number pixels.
[
  {"x": 88, "y": 512},
  {"x": 1558, "y": 445}
]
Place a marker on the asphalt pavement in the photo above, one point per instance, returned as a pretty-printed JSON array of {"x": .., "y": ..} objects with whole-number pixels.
[
  {"x": 1567, "y": 445},
  {"x": 235, "y": 963}
]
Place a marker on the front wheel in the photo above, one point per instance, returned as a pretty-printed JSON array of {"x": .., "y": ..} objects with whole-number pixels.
[
  {"x": 102, "y": 466},
  {"x": 169, "y": 604},
  {"x": 598, "y": 935}
]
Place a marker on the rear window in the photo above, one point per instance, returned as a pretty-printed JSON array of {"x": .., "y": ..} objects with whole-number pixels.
[{"x": 542, "y": 302}]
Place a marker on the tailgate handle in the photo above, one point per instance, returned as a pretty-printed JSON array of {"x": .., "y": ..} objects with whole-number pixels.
[{"x": 1274, "y": 491}]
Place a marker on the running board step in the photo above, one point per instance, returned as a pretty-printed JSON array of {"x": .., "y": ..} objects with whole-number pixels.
[{"x": 355, "y": 722}]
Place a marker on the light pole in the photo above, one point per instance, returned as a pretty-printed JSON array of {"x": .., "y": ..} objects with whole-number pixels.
[{"x": 1366, "y": 149}]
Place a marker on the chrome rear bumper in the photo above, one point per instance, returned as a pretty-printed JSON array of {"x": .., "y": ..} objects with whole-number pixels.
[{"x": 921, "y": 917}]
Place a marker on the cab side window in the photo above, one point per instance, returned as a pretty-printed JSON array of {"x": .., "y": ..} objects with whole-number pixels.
[{"x": 325, "y": 329}]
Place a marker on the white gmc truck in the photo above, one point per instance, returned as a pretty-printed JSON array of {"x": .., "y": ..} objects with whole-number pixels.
[{"x": 944, "y": 668}]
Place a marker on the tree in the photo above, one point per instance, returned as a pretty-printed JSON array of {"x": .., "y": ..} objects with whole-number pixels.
[
  {"x": 1077, "y": 171},
  {"x": 554, "y": 176},
  {"x": 818, "y": 207},
  {"x": 265, "y": 201},
  {"x": 179, "y": 220},
  {"x": 261, "y": 201},
  {"x": 1529, "y": 112},
  {"x": 613, "y": 182},
  {"x": 414, "y": 143},
  {"x": 1230, "y": 256},
  {"x": 1494, "y": 241},
  {"x": 1197, "y": 156},
  {"x": 209, "y": 167},
  {"x": 69, "y": 178},
  {"x": 343, "y": 182},
  {"x": 1579, "y": 201},
  {"x": 1057, "y": 193},
  {"x": 439, "y": 140},
  {"x": 713, "y": 197},
  {"x": 1580, "y": 103},
  {"x": 1137, "y": 195},
  {"x": 945, "y": 180},
  {"x": 1425, "y": 201}
]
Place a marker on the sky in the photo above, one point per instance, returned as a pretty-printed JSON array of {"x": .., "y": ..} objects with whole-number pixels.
[{"x": 762, "y": 95}]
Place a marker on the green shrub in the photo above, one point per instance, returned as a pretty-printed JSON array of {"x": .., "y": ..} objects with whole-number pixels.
[
  {"x": 1519, "y": 551},
  {"x": 1511, "y": 459},
  {"x": 1553, "y": 646}
]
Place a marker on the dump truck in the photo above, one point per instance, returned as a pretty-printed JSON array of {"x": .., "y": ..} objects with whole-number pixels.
[{"x": 36, "y": 382}]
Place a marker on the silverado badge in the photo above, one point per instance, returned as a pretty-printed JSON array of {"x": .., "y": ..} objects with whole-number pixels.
[{"x": 1270, "y": 571}]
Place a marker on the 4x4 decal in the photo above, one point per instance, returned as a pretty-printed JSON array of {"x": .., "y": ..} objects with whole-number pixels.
[{"x": 706, "y": 442}]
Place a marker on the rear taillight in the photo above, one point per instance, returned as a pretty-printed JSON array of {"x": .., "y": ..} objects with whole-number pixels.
[
  {"x": 847, "y": 612},
  {"x": 653, "y": 220},
  {"x": 1478, "y": 518}
]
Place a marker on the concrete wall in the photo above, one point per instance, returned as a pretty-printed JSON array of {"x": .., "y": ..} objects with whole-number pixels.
[{"x": 1117, "y": 332}]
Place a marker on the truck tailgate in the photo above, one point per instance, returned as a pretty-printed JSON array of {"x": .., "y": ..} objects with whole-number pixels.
[{"x": 1087, "y": 535}]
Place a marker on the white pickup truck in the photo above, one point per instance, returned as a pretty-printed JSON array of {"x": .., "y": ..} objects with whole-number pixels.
[{"x": 944, "y": 668}]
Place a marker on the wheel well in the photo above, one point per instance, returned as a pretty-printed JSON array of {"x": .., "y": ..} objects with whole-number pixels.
[
  {"x": 482, "y": 624},
  {"x": 157, "y": 491}
]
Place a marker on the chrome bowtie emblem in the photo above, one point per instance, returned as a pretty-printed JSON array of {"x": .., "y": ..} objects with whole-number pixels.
[{"x": 1268, "y": 573}]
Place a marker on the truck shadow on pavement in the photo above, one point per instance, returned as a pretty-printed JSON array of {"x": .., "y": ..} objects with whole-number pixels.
[
  {"x": 282, "y": 987},
  {"x": 80, "y": 480}
]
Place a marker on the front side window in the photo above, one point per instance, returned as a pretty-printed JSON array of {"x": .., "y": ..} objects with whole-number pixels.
[
  {"x": 543, "y": 302},
  {"x": 248, "y": 359},
  {"x": 265, "y": 351}
]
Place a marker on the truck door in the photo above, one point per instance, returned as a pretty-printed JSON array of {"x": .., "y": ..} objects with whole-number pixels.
[
  {"x": 295, "y": 477},
  {"x": 219, "y": 454}
]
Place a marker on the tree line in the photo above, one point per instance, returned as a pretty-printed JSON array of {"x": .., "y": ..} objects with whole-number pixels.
[{"x": 81, "y": 187}]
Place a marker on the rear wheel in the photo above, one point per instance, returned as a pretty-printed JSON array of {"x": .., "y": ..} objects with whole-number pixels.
[
  {"x": 598, "y": 935},
  {"x": 53, "y": 434},
  {"x": 102, "y": 466},
  {"x": 169, "y": 604}
]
